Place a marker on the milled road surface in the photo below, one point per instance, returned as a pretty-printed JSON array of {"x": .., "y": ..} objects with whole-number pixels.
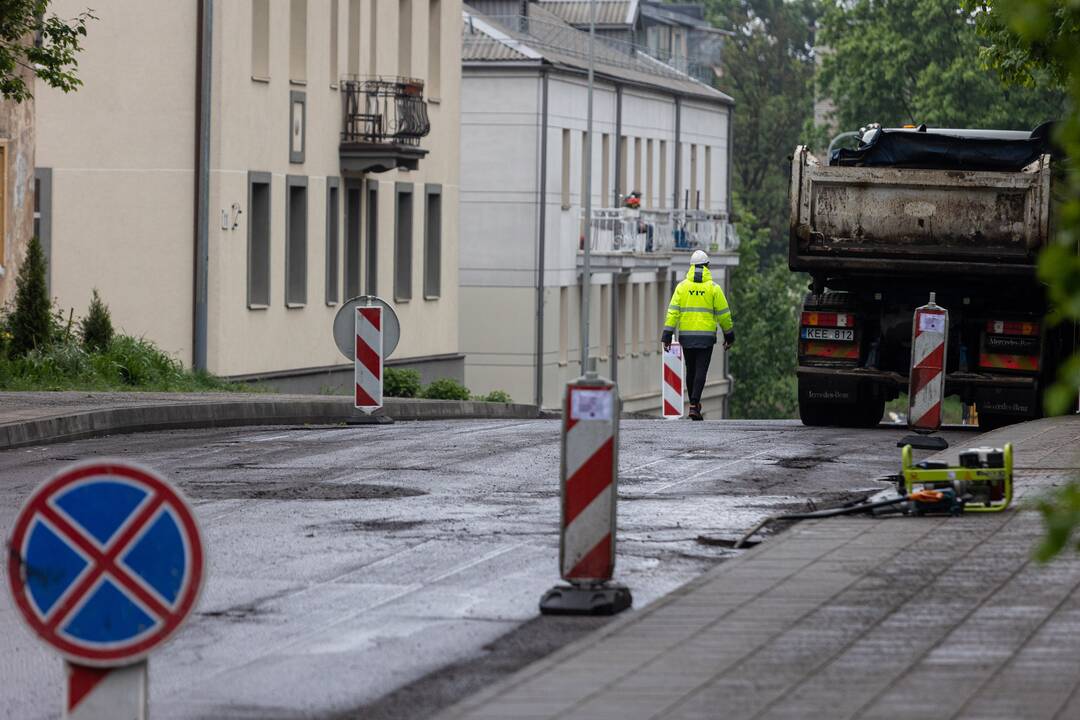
[{"x": 387, "y": 571}]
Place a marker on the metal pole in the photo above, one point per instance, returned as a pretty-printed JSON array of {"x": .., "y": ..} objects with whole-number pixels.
[
  {"x": 200, "y": 325},
  {"x": 586, "y": 274}
]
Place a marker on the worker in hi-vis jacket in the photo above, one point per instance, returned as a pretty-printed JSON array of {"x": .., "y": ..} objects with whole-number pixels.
[{"x": 697, "y": 308}]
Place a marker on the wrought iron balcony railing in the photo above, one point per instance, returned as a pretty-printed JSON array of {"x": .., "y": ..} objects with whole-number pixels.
[{"x": 384, "y": 111}]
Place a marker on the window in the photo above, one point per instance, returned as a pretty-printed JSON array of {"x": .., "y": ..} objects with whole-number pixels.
[
  {"x": 651, "y": 328},
  {"x": 405, "y": 38},
  {"x": 635, "y": 317},
  {"x": 298, "y": 41},
  {"x": 706, "y": 202},
  {"x": 663, "y": 173},
  {"x": 605, "y": 170},
  {"x": 432, "y": 241},
  {"x": 371, "y": 260},
  {"x": 605, "y": 320},
  {"x": 295, "y": 241},
  {"x": 260, "y": 39},
  {"x": 565, "y": 169},
  {"x": 649, "y": 174},
  {"x": 353, "y": 195},
  {"x": 352, "y": 62},
  {"x": 585, "y": 160},
  {"x": 434, "y": 79},
  {"x": 403, "y": 241},
  {"x": 695, "y": 198},
  {"x": 258, "y": 265},
  {"x": 637, "y": 165},
  {"x": 333, "y": 43},
  {"x": 564, "y": 325},
  {"x": 621, "y": 189},
  {"x": 333, "y": 209}
]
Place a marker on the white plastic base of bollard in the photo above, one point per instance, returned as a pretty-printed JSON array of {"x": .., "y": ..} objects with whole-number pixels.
[
  {"x": 120, "y": 693},
  {"x": 580, "y": 599}
]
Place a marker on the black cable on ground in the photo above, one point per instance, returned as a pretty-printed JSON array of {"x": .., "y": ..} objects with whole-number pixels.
[{"x": 849, "y": 510}]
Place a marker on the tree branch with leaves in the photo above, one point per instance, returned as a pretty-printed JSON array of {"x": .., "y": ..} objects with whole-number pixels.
[{"x": 33, "y": 41}]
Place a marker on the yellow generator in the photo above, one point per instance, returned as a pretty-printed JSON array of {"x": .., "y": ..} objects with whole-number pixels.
[{"x": 981, "y": 483}]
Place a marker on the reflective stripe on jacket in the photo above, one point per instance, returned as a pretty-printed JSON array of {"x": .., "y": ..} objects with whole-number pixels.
[{"x": 697, "y": 307}]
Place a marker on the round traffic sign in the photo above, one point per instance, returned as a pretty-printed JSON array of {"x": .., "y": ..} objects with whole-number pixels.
[
  {"x": 106, "y": 562},
  {"x": 345, "y": 326}
]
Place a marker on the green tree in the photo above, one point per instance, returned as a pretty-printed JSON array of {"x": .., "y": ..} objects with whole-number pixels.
[
  {"x": 31, "y": 323},
  {"x": 1030, "y": 41},
  {"x": 97, "y": 329},
  {"x": 765, "y": 301},
  {"x": 43, "y": 44},
  {"x": 917, "y": 61},
  {"x": 768, "y": 69}
]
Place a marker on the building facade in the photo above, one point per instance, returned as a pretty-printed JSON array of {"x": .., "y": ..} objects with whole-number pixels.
[
  {"x": 232, "y": 171},
  {"x": 656, "y": 131}
]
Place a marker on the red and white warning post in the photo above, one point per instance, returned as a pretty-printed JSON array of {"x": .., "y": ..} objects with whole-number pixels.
[{"x": 368, "y": 366}]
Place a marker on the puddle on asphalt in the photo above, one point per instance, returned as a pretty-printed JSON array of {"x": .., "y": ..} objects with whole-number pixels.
[
  {"x": 343, "y": 526},
  {"x": 223, "y": 490}
]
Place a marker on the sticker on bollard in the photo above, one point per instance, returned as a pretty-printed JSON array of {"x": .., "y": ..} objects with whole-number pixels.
[
  {"x": 929, "y": 335},
  {"x": 672, "y": 377},
  {"x": 589, "y": 470},
  {"x": 106, "y": 562}
]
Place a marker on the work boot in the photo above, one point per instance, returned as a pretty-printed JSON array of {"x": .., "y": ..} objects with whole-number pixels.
[{"x": 695, "y": 412}]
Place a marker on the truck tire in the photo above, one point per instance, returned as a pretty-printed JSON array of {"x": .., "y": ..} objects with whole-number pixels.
[
  {"x": 815, "y": 414},
  {"x": 992, "y": 421}
]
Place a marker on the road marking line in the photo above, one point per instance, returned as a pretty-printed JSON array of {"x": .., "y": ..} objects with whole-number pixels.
[{"x": 688, "y": 478}]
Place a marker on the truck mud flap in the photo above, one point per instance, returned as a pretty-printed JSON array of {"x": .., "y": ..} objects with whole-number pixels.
[
  {"x": 832, "y": 390},
  {"x": 1005, "y": 401}
]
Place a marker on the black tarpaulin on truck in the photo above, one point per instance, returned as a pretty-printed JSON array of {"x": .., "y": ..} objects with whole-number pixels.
[{"x": 944, "y": 149}]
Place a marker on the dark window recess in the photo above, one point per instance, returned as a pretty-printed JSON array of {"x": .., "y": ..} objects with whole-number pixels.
[
  {"x": 403, "y": 241},
  {"x": 296, "y": 241},
  {"x": 433, "y": 242},
  {"x": 352, "y": 242},
  {"x": 259, "y": 240},
  {"x": 333, "y": 209},
  {"x": 372, "y": 259}
]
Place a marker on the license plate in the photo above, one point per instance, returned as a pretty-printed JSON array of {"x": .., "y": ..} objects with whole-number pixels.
[{"x": 815, "y": 333}]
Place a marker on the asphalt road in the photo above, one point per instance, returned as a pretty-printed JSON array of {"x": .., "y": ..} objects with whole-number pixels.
[{"x": 387, "y": 571}]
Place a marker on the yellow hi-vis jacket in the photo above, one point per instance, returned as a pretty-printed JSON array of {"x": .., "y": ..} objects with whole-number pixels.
[{"x": 697, "y": 307}]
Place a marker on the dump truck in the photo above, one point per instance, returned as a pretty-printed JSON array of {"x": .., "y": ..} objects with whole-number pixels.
[{"x": 910, "y": 211}]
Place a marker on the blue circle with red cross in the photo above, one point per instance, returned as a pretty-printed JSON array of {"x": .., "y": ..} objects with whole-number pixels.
[{"x": 106, "y": 562}]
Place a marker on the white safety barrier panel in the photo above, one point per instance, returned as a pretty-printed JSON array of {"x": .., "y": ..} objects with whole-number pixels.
[
  {"x": 120, "y": 693},
  {"x": 927, "y": 383},
  {"x": 672, "y": 381},
  {"x": 368, "y": 365}
]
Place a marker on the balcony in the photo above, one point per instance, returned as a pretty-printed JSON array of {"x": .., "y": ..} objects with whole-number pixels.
[
  {"x": 625, "y": 239},
  {"x": 383, "y": 122}
]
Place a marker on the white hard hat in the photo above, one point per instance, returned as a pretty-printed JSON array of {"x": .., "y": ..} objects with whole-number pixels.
[{"x": 699, "y": 258}]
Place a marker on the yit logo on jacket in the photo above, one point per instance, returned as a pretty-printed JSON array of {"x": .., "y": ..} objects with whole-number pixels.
[{"x": 696, "y": 292}]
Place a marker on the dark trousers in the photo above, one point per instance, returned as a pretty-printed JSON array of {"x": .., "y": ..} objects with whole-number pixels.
[{"x": 697, "y": 367}]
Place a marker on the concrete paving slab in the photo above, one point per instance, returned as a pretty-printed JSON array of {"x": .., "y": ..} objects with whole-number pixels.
[{"x": 846, "y": 618}]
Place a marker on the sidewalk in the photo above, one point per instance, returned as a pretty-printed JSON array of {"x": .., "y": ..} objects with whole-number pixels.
[
  {"x": 32, "y": 418},
  {"x": 845, "y": 618}
]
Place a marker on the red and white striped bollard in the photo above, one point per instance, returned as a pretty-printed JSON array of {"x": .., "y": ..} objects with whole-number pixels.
[
  {"x": 368, "y": 366},
  {"x": 926, "y": 388},
  {"x": 672, "y": 381}
]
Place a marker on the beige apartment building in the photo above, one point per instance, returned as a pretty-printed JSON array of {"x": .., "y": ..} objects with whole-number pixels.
[{"x": 233, "y": 170}]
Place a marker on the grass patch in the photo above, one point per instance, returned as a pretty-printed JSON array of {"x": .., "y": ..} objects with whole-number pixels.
[
  {"x": 127, "y": 363},
  {"x": 952, "y": 411}
]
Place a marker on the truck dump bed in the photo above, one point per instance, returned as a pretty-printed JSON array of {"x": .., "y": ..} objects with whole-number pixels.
[{"x": 874, "y": 219}]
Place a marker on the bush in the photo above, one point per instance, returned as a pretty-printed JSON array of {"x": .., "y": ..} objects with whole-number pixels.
[
  {"x": 446, "y": 389},
  {"x": 497, "y": 396},
  {"x": 401, "y": 383},
  {"x": 97, "y": 329},
  {"x": 31, "y": 323}
]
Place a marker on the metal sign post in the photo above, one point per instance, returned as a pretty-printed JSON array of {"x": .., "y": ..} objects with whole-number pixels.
[
  {"x": 926, "y": 389},
  {"x": 589, "y": 488},
  {"x": 106, "y": 564}
]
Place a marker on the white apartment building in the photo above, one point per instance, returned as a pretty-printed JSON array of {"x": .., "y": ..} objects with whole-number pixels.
[
  {"x": 656, "y": 131},
  {"x": 233, "y": 170}
]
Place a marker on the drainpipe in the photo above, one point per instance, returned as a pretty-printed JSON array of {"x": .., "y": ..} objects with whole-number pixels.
[
  {"x": 678, "y": 152},
  {"x": 618, "y": 150},
  {"x": 203, "y": 70},
  {"x": 541, "y": 238}
]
